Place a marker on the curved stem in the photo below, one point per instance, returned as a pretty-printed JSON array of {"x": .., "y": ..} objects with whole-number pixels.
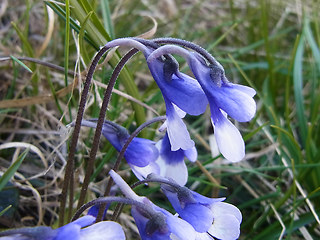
[
  {"x": 75, "y": 135},
  {"x": 106, "y": 200},
  {"x": 107, "y": 95},
  {"x": 154, "y": 44},
  {"x": 187, "y": 44},
  {"x": 147, "y": 42},
  {"x": 133, "y": 135},
  {"x": 156, "y": 179},
  {"x": 152, "y": 178},
  {"x": 96, "y": 139}
]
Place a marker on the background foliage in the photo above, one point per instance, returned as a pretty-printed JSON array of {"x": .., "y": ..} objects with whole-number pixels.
[{"x": 272, "y": 46}]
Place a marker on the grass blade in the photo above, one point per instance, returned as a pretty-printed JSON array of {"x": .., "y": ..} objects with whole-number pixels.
[
  {"x": 298, "y": 89},
  {"x": 21, "y": 63},
  {"x": 4, "y": 210},
  {"x": 106, "y": 15},
  {"x": 12, "y": 169}
]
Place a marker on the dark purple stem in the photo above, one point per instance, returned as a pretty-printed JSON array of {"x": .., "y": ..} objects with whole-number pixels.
[
  {"x": 102, "y": 114},
  {"x": 153, "y": 43},
  {"x": 133, "y": 135},
  {"x": 105, "y": 200},
  {"x": 70, "y": 163},
  {"x": 156, "y": 180},
  {"x": 187, "y": 44},
  {"x": 152, "y": 178}
]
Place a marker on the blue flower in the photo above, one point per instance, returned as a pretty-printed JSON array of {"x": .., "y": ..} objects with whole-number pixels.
[
  {"x": 154, "y": 223},
  {"x": 140, "y": 154},
  {"x": 226, "y": 222},
  {"x": 171, "y": 163},
  {"x": 92, "y": 231},
  {"x": 224, "y": 99},
  {"x": 83, "y": 228},
  {"x": 221, "y": 220},
  {"x": 94, "y": 210},
  {"x": 191, "y": 206},
  {"x": 178, "y": 90},
  {"x": 162, "y": 225}
]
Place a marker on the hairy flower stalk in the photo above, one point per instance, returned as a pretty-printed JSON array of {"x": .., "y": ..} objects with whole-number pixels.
[
  {"x": 70, "y": 163},
  {"x": 105, "y": 102}
]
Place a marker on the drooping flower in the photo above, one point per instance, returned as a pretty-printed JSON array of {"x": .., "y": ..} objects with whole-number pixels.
[
  {"x": 162, "y": 225},
  {"x": 191, "y": 206},
  {"x": 224, "y": 99},
  {"x": 226, "y": 225},
  {"x": 177, "y": 89},
  {"x": 221, "y": 220},
  {"x": 97, "y": 231},
  {"x": 141, "y": 153},
  {"x": 171, "y": 163},
  {"x": 226, "y": 221},
  {"x": 83, "y": 228},
  {"x": 154, "y": 223}
]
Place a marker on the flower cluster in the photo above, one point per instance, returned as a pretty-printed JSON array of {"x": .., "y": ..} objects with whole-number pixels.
[
  {"x": 197, "y": 217},
  {"x": 183, "y": 95},
  {"x": 224, "y": 99}
]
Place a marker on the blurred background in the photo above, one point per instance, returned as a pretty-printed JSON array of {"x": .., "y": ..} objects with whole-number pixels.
[{"x": 272, "y": 46}]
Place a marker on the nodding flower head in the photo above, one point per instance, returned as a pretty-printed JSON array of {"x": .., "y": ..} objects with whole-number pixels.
[
  {"x": 141, "y": 153},
  {"x": 191, "y": 206},
  {"x": 221, "y": 220},
  {"x": 182, "y": 91},
  {"x": 179, "y": 91},
  {"x": 177, "y": 88},
  {"x": 154, "y": 222},
  {"x": 224, "y": 99},
  {"x": 161, "y": 224}
]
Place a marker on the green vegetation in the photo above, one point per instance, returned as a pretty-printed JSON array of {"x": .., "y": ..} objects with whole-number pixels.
[{"x": 272, "y": 46}]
